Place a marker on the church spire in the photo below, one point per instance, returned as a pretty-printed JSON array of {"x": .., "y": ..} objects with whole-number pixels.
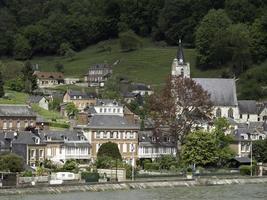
[{"x": 180, "y": 53}]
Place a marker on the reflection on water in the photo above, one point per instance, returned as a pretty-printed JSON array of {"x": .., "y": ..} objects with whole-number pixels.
[{"x": 231, "y": 192}]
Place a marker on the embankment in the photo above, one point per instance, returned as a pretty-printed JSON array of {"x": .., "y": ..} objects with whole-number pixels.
[{"x": 98, "y": 187}]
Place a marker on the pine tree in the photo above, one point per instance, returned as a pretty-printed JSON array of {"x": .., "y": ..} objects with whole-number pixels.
[
  {"x": 2, "y": 92},
  {"x": 30, "y": 82}
]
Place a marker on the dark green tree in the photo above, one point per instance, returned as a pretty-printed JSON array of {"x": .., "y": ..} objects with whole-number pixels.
[
  {"x": 71, "y": 110},
  {"x": 11, "y": 162},
  {"x": 109, "y": 149},
  {"x": 2, "y": 92},
  {"x": 30, "y": 82},
  {"x": 259, "y": 150},
  {"x": 211, "y": 43},
  {"x": 22, "y": 49},
  {"x": 129, "y": 41},
  {"x": 59, "y": 67}
]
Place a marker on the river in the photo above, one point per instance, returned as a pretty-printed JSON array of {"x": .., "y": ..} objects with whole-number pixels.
[{"x": 224, "y": 192}]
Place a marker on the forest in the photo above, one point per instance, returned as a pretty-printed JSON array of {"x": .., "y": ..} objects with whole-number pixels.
[{"x": 225, "y": 33}]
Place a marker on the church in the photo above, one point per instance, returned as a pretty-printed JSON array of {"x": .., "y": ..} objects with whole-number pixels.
[{"x": 222, "y": 91}]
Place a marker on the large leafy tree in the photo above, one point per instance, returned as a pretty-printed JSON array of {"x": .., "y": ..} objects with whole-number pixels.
[
  {"x": 211, "y": 43},
  {"x": 11, "y": 162},
  {"x": 182, "y": 104},
  {"x": 259, "y": 150},
  {"x": 109, "y": 149},
  {"x": 22, "y": 49},
  {"x": 205, "y": 148}
]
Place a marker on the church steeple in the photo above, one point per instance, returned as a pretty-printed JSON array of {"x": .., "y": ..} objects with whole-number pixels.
[{"x": 180, "y": 53}]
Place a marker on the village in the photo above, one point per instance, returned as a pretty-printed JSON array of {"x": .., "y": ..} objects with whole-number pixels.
[{"x": 89, "y": 121}]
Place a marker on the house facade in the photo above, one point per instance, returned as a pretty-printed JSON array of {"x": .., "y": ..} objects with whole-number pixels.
[
  {"x": 65, "y": 145},
  {"x": 98, "y": 74},
  {"x": 30, "y": 147},
  {"x": 41, "y": 101},
  {"x": 16, "y": 117},
  {"x": 107, "y": 123},
  {"x": 142, "y": 89},
  {"x": 49, "y": 79},
  {"x": 80, "y": 99}
]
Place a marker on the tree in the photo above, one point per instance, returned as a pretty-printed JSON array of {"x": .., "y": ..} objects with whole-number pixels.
[
  {"x": 109, "y": 149},
  {"x": 70, "y": 165},
  {"x": 64, "y": 48},
  {"x": 239, "y": 46},
  {"x": 259, "y": 150},
  {"x": 11, "y": 162},
  {"x": 30, "y": 82},
  {"x": 71, "y": 110},
  {"x": 22, "y": 49},
  {"x": 205, "y": 148},
  {"x": 181, "y": 104},
  {"x": 211, "y": 43},
  {"x": 2, "y": 92},
  {"x": 70, "y": 54},
  {"x": 129, "y": 41}
]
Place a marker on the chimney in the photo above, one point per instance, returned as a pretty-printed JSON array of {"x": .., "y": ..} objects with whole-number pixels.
[{"x": 82, "y": 118}]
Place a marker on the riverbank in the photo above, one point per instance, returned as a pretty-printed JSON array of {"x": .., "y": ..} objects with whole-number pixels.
[{"x": 98, "y": 187}]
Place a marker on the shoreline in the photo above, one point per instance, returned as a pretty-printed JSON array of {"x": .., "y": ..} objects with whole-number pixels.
[{"x": 99, "y": 187}]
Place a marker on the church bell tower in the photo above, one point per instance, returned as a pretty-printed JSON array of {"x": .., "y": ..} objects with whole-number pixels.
[{"x": 179, "y": 66}]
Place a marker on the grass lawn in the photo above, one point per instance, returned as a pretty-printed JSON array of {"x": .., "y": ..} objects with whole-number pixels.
[
  {"x": 150, "y": 64},
  {"x": 47, "y": 114},
  {"x": 13, "y": 97}
]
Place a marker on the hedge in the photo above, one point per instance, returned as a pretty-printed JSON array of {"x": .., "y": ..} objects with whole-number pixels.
[
  {"x": 59, "y": 125},
  {"x": 90, "y": 176},
  {"x": 151, "y": 166}
]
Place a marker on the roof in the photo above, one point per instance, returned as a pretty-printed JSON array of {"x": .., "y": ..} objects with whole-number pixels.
[
  {"x": 222, "y": 91},
  {"x": 140, "y": 86},
  {"x": 101, "y": 102},
  {"x": 242, "y": 159},
  {"x": 16, "y": 111},
  {"x": 111, "y": 122},
  {"x": 59, "y": 135},
  {"x": 145, "y": 139},
  {"x": 99, "y": 66},
  {"x": 49, "y": 75},
  {"x": 35, "y": 98},
  {"x": 81, "y": 94},
  {"x": 247, "y": 107},
  {"x": 26, "y": 137}
]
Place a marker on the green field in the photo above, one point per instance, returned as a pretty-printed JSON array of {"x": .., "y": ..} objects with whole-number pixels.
[
  {"x": 150, "y": 64},
  {"x": 12, "y": 97}
]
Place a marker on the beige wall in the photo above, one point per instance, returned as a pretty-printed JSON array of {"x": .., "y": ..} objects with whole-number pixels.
[{"x": 12, "y": 122}]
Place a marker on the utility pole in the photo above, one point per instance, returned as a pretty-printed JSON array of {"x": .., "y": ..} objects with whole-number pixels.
[{"x": 251, "y": 171}]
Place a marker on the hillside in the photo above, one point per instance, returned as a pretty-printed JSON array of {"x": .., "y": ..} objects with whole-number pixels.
[{"x": 150, "y": 64}]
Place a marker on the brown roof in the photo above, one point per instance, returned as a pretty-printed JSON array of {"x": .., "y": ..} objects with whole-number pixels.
[{"x": 49, "y": 75}]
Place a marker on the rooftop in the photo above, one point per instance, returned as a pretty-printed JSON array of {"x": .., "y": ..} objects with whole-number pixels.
[
  {"x": 247, "y": 107},
  {"x": 7, "y": 110}
]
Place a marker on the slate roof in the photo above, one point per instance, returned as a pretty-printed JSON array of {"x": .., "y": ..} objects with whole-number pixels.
[
  {"x": 101, "y": 102},
  {"x": 16, "y": 111},
  {"x": 99, "y": 66},
  {"x": 222, "y": 91},
  {"x": 242, "y": 159},
  {"x": 82, "y": 94},
  {"x": 35, "y": 98},
  {"x": 140, "y": 86},
  {"x": 111, "y": 122},
  {"x": 49, "y": 75},
  {"x": 247, "y": 107},
  {"x": 26, "y": 137}
]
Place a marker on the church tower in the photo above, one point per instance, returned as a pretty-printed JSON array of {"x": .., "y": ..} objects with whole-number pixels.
[{"x": 179, "y": 66}]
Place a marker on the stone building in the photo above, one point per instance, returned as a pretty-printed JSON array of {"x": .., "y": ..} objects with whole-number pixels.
[
  {"x": 16, "y": 117},
  {"x": 98, "y": 74}
]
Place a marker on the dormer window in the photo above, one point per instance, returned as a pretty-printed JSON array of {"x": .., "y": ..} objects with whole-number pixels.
[
  {"x": 48, "y": 138},
  {"x": 74, "y": 97},
  {"x": 37, "y": 140},
  {"x": 80, "y": 97},
  {"x": 65, "y": 138},
  {"x": 153, "y": 139}
]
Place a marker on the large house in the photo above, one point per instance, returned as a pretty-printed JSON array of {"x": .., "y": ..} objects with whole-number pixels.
[
  {"x": 16, "y": 117},
  {"x": 41, "y": 101},
  {"x": 48, "y": 79},
  {"x": 65, "y": 145},
  {"x": 107, "y": 122},
  {"x": 98, "y": 74}
]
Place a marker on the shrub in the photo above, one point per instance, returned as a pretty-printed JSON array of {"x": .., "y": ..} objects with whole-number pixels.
[
  {"x": 129, "y": 41},
  {"x": 90, "y": 176},
  {"x": 245, "y": 169},
  {"x": 151, "y": 166}
]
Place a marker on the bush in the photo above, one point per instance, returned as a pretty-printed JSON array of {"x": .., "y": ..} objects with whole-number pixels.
[
  {"x": 129, "y": 41},
  {"x": 151, "y": 166},
  {"x": 245, "y": 169},
  {"x": 90, "y": 176},
  {"x": 27, "y": 174}
]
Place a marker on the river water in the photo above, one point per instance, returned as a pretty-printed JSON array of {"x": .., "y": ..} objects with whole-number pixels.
[{"x": 225, "y": 192}]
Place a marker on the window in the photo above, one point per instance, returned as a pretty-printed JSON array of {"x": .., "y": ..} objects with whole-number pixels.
[
  {"x": 97, "y": 135},
  {"x": 80, "y": 97},
  {"x": 131, "y": 135},
  {"x": 4, "y": 125},
  {"x": 31, "y": 123},
  {"x": 118, "y": 110},
  {"x": 240, "y": 116},
  {"x": 260, "y": 138},
  {"x": 26, "y": 124},
  {"x": 109, "y": 110},
  {"x": 41, "y": 153},
  {"x": 124, "y": 148},
  {"x": 18, "y": 124},
  {"x": 105, "y": 135},
  {"x": 182, "y": 72},
  {"x": 74, "y": 97},
  {"x": 100, "y": 110},
  {"x": 231, "y": 113},
  {"x": 114, "y": 110},
  {"x": 111, "y": 134},
  {"x": 248, "y": 116},
  {"x": 105, "y": 110},
  {"x": 10, "y": 124},
  {"x": 32, "y": 153},
  {"x": 218, "y": 112},
  {"x": 153, "y": 139}
]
